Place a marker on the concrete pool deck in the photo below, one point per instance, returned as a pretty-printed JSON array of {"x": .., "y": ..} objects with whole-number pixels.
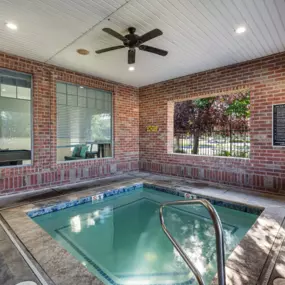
[{"x": 258, "y": 259}]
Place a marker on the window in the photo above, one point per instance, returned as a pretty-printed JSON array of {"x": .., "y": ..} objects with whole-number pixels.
[
  {"x": 84, "y": 122},
  {"x": 15, "y": 118},
  {"x": 214, "y": 126}
]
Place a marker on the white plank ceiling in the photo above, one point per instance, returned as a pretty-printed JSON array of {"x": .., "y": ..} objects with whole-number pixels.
[{"x": 199, "y": 34}]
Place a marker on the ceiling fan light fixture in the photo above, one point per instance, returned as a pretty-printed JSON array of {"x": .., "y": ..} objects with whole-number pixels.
[{"x": 131, "y": 68}]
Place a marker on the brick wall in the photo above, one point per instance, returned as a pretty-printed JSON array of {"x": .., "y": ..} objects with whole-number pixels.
[
  {"x": 265, "y": 170},
  {"x": 45, "y": 172},
  {"x": 135, "y": 109}
]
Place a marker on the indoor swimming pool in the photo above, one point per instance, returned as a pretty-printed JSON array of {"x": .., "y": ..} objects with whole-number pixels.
[{"x": 120, "y": 240}]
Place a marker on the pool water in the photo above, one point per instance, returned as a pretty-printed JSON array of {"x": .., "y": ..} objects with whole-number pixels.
[{"x": 120, "y": 240}]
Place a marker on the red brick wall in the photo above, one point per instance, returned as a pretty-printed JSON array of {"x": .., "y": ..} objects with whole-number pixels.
[
  {"x": 265, "y": 170},
  {"x": 45, "y": 172},
  {"x": 265, "y": 78}
]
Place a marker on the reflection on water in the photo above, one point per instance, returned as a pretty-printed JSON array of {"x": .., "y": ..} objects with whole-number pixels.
[
  {"x": 75, "y": 223},
  {"x": 196, "y": 236},
  {"x": 90, "y": 219}
]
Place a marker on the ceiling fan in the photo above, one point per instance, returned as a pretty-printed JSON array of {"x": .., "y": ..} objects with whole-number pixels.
[{"x": 133, "y": 41}]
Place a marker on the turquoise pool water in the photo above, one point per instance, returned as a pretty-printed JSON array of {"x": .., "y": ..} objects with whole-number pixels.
[{"x": 120, "y": 240}]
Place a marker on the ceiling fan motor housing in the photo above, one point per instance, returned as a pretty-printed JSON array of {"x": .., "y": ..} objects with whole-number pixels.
[{"x": 132, "y": 38}]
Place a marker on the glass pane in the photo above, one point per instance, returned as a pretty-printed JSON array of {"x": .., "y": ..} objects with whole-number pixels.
[
  {"x": 99, "y": 104},
  {"x": 61, "y": 99},
  {"x": 71, "y": 89},
  {"x": 61, "y": 87},
  {"x": 23, "y": 93},
  {"x": 24, "y": 83},
  {"x": 82, "y": 91},
  {"x": 10, "y": 77},
  {"x": 91, "y": 93},
  {"x": 91, "y": 103},
  {"x": 101, "y": 127},
  {"x": 15, "y": 132},
  {"x": 71, "y": 100},
  {"x": 82, "y": 101},
  {"x": 15, "y": 118},
  {"x": 8, "y": 91},
  {"x": 108, "y": 96},
  {"x": 107, "y": 106},
  {"x": 83, "y": 131},
  {"x": 99, "y": 95},
  {"x": 9, "y": 81}
]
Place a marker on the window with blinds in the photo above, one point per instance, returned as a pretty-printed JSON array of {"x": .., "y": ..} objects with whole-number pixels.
[
  {"x": 15, "y": 118},
  {"x": 84, "y": 122}
]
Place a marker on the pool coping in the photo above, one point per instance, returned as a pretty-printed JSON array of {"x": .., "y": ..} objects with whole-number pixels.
[
  {"x": 46, "y": 209},
  {"x": 259, "y": 244}
]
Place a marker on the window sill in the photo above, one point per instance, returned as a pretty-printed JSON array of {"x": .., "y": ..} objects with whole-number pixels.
[{"x": 82, "y": 160}]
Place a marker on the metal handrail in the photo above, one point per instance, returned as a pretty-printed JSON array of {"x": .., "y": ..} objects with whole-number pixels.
[{"x": 220, "y": 251}]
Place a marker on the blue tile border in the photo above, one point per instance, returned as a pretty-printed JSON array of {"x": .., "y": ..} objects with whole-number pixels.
[
  {"x": 216, "y": 202},
  {"x": 136, "y": 186},
  {"x": 83, "y": 200}
]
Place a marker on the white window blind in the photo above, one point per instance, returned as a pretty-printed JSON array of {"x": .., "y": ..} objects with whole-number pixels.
[{"x": 83, "y": 114}]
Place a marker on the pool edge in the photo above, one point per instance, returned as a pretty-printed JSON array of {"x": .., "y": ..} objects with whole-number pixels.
[{"x": 116, "y": 191}]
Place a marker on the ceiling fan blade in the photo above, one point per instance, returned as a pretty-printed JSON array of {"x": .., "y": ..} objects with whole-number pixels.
[
  {"x": 150, "y": 35},
  {"x": 115, "y": 34},
  {"x": 109, "y": 49},
  {"x": 153, "y": 50},
  {"x": 131, "y": 56}
]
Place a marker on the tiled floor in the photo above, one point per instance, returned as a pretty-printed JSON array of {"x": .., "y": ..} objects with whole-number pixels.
[{"x": 258, "y": 259}]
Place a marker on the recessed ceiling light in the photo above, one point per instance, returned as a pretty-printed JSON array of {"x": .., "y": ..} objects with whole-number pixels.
[
  {"x": 131, "y": 68},
  {"x": 83, "y": 51},
  {"x": 81, "y": 87},
  {"x": 240, "y": 30},
  {"x": 11, "y": 26}
]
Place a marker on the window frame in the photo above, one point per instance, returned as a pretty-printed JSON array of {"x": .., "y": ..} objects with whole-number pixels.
[
  {"x": 31, "y": 118},
  {"x": 112, "y": 120}
]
